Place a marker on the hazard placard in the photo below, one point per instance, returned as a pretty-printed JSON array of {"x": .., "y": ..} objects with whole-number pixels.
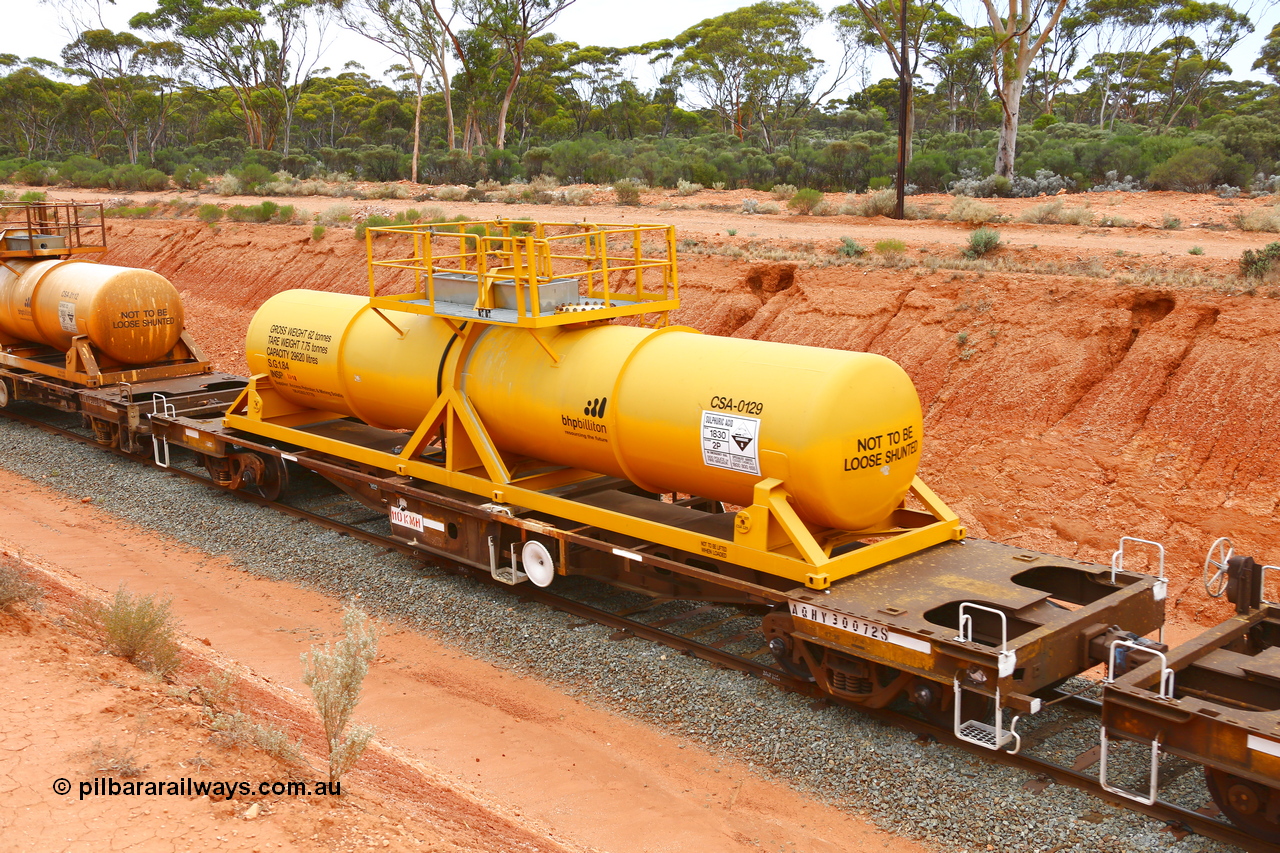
[{"x": 731, "y": 442}]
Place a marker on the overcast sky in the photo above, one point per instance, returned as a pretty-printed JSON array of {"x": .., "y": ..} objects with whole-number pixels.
[{"x": 36, "y": 30}]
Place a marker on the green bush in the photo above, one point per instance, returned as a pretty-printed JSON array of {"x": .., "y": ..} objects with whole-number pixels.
[
  {"x": 209, "y": 213},
  {"x": 982, "y": 241},
  {"x": 890, "y": 247},
  {"x": 804, "y": 201},
  {"x": 850, "y": 248},
  {"x": 33, "y": 195},
  {"x": 189, "y": 177},
  {"x": 1199, "y": 169},
  {"x": 627, "y": 191},
  {"x": 1259, "y": 264},
  {"x": 317, "y": 232}
]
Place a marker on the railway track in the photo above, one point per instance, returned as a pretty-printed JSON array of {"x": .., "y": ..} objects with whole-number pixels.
[{"x": 726, "y": 636}]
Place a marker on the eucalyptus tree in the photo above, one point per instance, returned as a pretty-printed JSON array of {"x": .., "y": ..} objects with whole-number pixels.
[
  {"x": 511, "y": 24},
  {"x": 263, "y": 52},
  {"x": 132, "y": 79},
  {"x": 931, "y": 32},
  {"x": 752, "y": 68},
  {"x": 413, "y": 31}
]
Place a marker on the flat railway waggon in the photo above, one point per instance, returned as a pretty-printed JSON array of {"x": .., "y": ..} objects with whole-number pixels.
[{"x": 511, "y": 395}]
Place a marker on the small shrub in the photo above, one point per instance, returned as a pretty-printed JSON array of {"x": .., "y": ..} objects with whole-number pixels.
[
  {"x": 336, "y": 214},
  {"x": 209, "y": 213},
  {"x": 33, "y": 195},
  {"x": 1113, "y": 184},
  {"x": 627, "y": 192},
  {"x": 750, "y": 206},
  {"x": 1259, "y": 220},
  {"x": 805, "y": 201},
  {"x": 718, "y": 186},
  {"x": 382, "y": 191},
  {"x": 961, "y": 338},
  {"x": 317, "y": 232},
  {"x": 15, "y": 589},
  {"x": 579, "y": 196},
  {"x": 241, "y": 730},
  {"x": 732, "y": 232},
  {"x": 1195, "y": 250},
  {"x": 1076, "y": 216},
  {"x": 686, "y": 188},
  {"x": 1257, "y": 264},
  {"x": 141, "y": 630},
  {"x": 1042, "y": 214},
  {"x": 227, "y": 184},
  {"x": 1115, "y": 221},
  {"x": 768, "y": 208},
  {"x": 972, "y": 211},
  {"x": 1171, "y": 223},
  {"x": 890, "y": 248},
  {"x": 850, "y": 248},
  {"x": 115, "y": 760},
  {"x": 982, "y": 241},
  {"x": 488, "y": 186},
  {"x": 783, "y": 192},
  {"x": 335, "y": 675},
  {"x": 451, "y": 193},
  {"x": 880, "y": 203}
]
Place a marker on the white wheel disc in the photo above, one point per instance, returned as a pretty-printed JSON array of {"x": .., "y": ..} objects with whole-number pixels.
[
  {"x": 538, "y": 565},
  {"x": 4, "y": 393}
]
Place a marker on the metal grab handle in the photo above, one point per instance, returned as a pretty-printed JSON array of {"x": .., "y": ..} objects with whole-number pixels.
[
  {"x": 1161, "y": 590},
  {"x": 1166, "y": 674},
  {"x": 1008, "y": 660},
  {"x": 1117, "y": 558}
]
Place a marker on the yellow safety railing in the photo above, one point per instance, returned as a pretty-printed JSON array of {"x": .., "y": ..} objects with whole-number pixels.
[{"x": 619, "y": 269}]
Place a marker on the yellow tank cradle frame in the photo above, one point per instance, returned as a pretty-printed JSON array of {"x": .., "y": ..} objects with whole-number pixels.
[
  {"x": 768, "y": 535},
  {"x": 39, "y": 231}
]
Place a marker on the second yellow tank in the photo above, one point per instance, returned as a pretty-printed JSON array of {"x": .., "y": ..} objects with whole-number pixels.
[{"x": 671, "y": 410}]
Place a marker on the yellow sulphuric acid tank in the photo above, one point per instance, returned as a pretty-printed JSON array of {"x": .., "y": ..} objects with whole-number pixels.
[
  {"x": 134, "y": 316},
  {"x": 672, "y": 410}
]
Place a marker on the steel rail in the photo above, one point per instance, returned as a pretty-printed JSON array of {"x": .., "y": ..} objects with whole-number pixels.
[{"x": 1171, "y": 813}]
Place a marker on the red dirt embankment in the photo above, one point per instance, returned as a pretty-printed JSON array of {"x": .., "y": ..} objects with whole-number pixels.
[{"x": 1061, "y": 411}]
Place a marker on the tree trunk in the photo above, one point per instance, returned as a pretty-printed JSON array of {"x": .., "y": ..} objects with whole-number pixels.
[
  {"x": 417, "y": 130},
  {"x": 451, "y": 130},
  {"x": 1011, "y": 104},
  {"x": 506, "y": 100}
]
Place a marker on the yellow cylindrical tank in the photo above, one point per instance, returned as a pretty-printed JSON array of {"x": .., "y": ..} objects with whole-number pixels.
[
  {"x": 134, "y": 316},
  {"x": 671, "y": 409}
]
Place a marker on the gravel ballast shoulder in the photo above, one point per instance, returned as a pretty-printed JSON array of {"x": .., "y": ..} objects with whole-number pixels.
[{"x": 945, "y": 796}]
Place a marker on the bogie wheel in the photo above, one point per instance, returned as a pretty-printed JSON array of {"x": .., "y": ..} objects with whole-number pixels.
[
  {"x": 776, "y": 628},
  {"x": 263, "y": 475},
  {"x": 936, "y": 702},
  {"x": 1215, "y": 567},
  {"x": 1250, "y": 805},
  {"x": 6, "y": 393}
]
